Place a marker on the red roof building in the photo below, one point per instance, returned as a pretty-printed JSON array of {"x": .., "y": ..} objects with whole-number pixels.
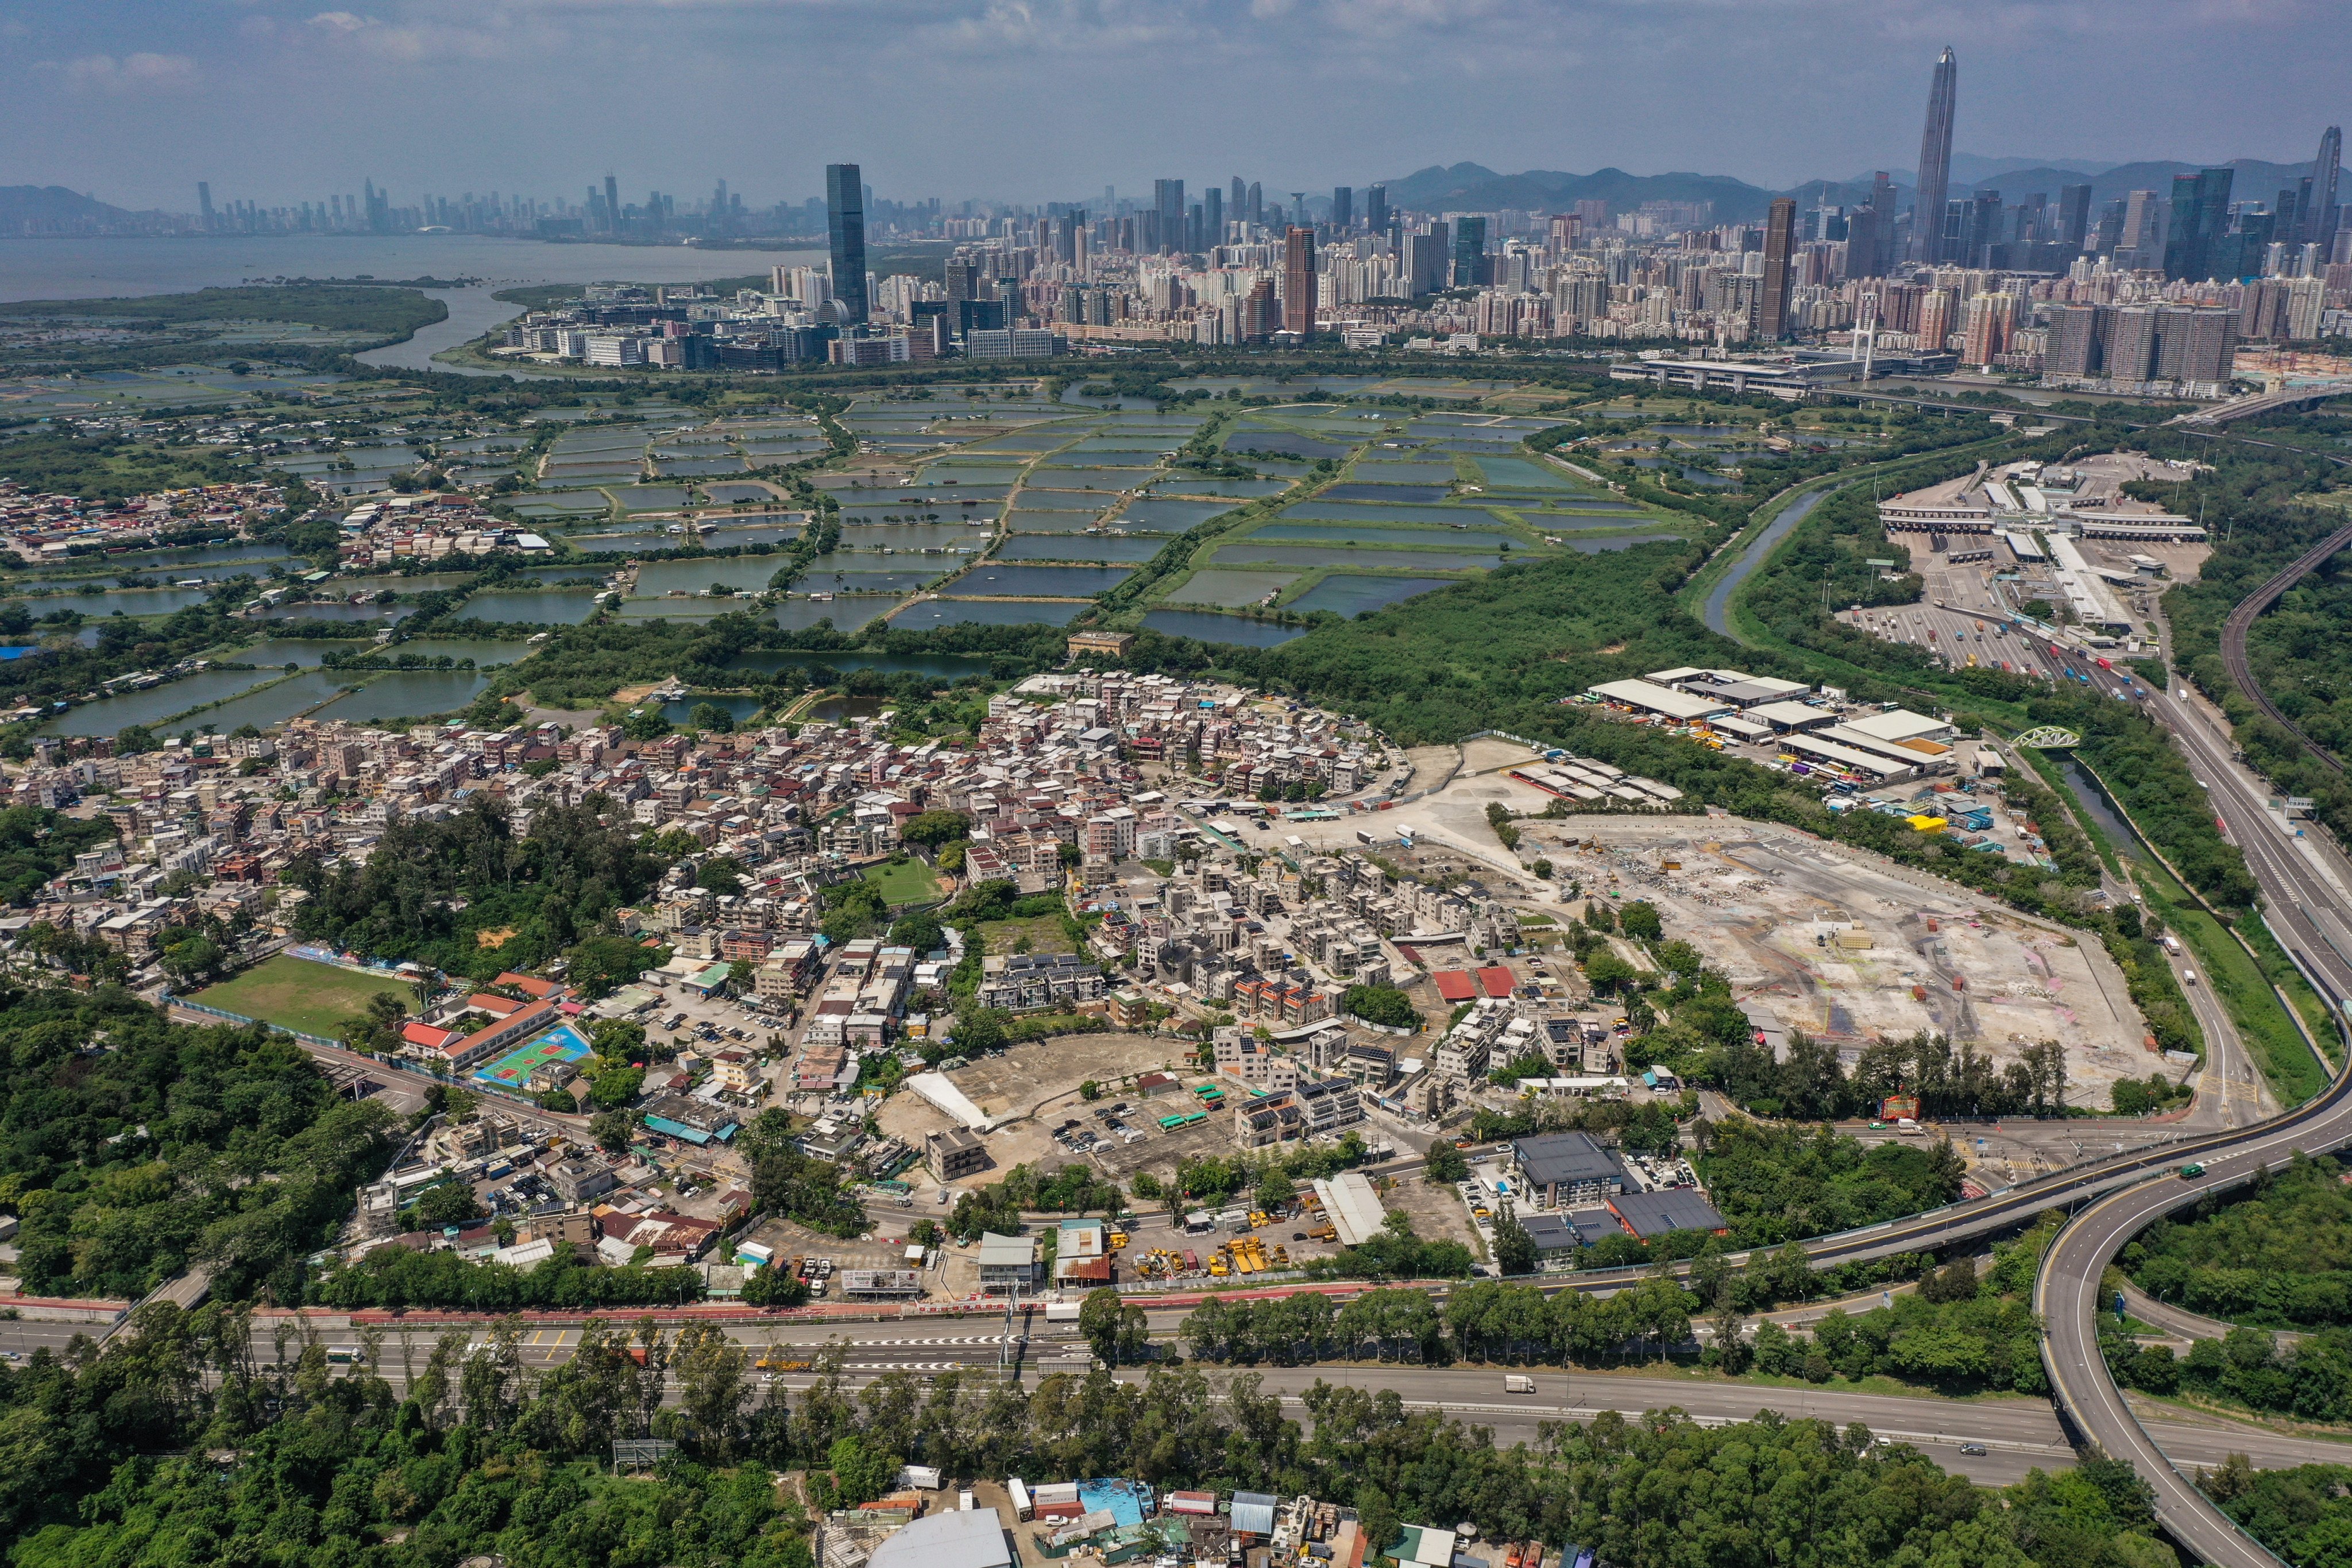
[
  {"x": 1498, "y": 979},
  {"x": 1456, "y": 985}
]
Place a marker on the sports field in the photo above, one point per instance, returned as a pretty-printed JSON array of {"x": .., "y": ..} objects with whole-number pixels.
[
  {"x": 299, "y": 995},
  {"x": 513, "y": 1069},
  {"x": 911, "y": 883}
]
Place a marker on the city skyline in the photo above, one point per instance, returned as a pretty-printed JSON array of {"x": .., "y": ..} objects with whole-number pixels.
[{"x": 138, "y": 105}]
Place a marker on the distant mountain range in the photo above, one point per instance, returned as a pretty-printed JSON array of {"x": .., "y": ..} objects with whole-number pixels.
[
  {"x": 1474, "y": 188},
  {"x": 20, "y": 205}
]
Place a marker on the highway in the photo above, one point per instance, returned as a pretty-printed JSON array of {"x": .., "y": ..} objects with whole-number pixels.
[
  {"x": 2304, "y": 886},
  {"x": 2241, "y": 620},
  {"x": 2017, "y": 1434}
]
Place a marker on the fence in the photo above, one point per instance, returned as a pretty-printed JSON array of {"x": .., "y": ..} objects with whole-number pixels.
[{"x": 224, "y": 1014}]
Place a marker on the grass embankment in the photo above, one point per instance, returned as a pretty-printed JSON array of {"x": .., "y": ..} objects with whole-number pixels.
[
  {"x": 296, "y": 993},
  {"x": 2286, "y": 1057}
]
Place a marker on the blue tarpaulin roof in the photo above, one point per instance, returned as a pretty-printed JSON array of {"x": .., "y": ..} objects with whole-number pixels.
[{"x": 1124, "y": 1499}]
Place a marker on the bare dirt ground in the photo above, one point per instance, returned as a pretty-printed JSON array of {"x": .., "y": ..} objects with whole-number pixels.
[
  {"x": 1767, "y": 906},
  {"x": 1036, "y": 1085}
]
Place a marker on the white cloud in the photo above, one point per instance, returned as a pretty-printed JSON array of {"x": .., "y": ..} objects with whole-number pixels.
[
  {"x": 337, "y": 22},
  {"x": 130, "y": 72}
]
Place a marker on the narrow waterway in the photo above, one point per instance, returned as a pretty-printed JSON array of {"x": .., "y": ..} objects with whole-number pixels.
[{"x": 1717, "y": 613}]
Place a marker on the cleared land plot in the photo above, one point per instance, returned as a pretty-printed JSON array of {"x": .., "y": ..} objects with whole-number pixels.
[
  {"x": 1226, "y": 589},
  {"x": 299, "y": 995},
  {"x": 1752, "y": 899},
  {"x": 1040, "y": 1080}
]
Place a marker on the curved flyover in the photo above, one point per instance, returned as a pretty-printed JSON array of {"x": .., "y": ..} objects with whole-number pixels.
[{"x": 2241, "y": 621}]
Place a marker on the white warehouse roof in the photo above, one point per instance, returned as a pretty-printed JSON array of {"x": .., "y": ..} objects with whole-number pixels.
[
  {"x": 1656, "y": 699},
  {"x": 1355, "y": 1209},
  {"x": 941, "y": 1093}
]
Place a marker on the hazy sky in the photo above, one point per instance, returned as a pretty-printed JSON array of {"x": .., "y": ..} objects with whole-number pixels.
[{"x": 1028, "y": 99}]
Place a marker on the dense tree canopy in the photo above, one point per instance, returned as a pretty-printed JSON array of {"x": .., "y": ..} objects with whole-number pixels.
[{"x": 132, "y": 1147}]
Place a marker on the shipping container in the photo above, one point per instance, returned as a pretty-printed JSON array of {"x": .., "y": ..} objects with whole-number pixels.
[{"x": 1018, "y": 1491}]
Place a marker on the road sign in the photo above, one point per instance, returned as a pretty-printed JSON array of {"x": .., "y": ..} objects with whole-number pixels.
[
  {"x": 1872, "y": 563},
  {"x": 2119, "y": 1306}
]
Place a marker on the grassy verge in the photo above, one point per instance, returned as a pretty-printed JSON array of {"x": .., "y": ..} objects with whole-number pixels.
[
  {"x": 2286, "y": 1057},
  {"x": 2282, "y": 973},
  {"x": 2245, "y": 993}
]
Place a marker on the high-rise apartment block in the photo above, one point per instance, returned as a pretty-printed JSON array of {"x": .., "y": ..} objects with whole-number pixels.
[
  {"x": 2134, "y": 343},
  {"x": 1343, "y": 209},
  {"x": 1299, "y": 282},
  {"x": 845, "y": 225}
]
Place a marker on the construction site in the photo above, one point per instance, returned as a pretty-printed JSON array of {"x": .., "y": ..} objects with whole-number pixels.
[{"x": 1841, "y": 946}]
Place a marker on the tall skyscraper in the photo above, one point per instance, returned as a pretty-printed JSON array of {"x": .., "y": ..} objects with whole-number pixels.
[
  {"x": 1936, "y": 162},
  {"x": 2201, "y": 216},
  {"x": 1298, "y": 280},
  {"x": 1167, "y": 200},
  {"x": 1376, "y": 208},
  {"x": 2319, "y": 223},
  {"x": 612, "y": 203},
  {"x": 1213, "y": 217},
  {"x": 1424, "y": 262},
  {"x": 1256, "y": 205},
  {"x": 1343, "y": 209},
  {"x": 204, "y": 204},
  {"x": 1469, "y": 251},
  {"x": 1240, "y": 199},
  {"x": 1780, "y": 246},
  {"x": 845, "y": 227},
  {"x": 2074, "y": 215},
  {"x": 2141, "y": 245}
]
